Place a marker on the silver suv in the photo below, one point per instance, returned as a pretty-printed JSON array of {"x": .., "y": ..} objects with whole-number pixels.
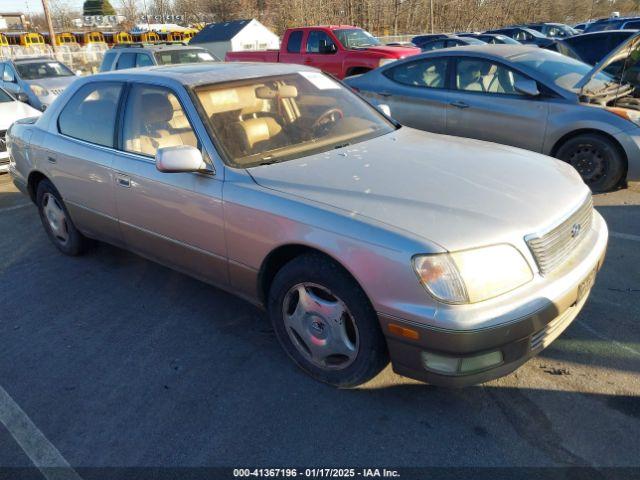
[{"x": 136, "y": 55}]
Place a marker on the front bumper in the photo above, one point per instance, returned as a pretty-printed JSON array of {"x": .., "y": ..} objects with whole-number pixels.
[{"x": 517, "y": 339}]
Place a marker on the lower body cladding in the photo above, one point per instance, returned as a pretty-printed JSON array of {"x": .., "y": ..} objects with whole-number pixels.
[{"x": 462, "y": 358}]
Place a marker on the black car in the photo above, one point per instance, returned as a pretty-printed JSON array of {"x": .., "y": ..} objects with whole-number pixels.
[
  {"x": 450, "y": 41},
  {"x": 523, "y": 35},
  {"x": 420, "y": 40},
  {"x": 493, "y": 38},
  {"x": 553, "y": 30},
  {"x": 591, "y": 47}
]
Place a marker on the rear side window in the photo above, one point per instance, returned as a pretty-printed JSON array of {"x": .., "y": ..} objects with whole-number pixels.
[
  {"x": 90, "y": 115},
  {"x": 295, "y": 42},
  {"x": 126, "y": 60},
  {"x": 431, "y": 73},
  {"x": 143, "y": 60},
  {"x": 107, "y": 61}
]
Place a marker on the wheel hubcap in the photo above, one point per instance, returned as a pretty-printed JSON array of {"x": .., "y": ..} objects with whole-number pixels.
[
  {"x": 590, "y": 162},
  {"x": 56, "y": 218},
  {"x": 320, "y": 326}
]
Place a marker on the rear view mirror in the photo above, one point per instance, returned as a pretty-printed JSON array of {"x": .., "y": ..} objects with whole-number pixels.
[
  {"x": 182, "y": 158},
  {"x": 527, "y": 87},
  {"x": 384, "y": 109}
]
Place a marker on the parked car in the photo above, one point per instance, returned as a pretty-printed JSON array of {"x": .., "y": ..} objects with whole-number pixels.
[
  {"x": 522, "y": 96},
  {"x": 614, "y": 23},
  {"x": 493, "y": 38},
  {"x": 338, "y": 50},
  {"x": 11, "y": 109},
  {"x": 450, "y": 41},
  {"x": 553, "y": 30},
  {"x": 362, "y": 239},
  {"x": 418, "y": 40},
  {"x": 134, "y": 55},
  {"x": 37, "y": 81},
  {"x": 592, "y": 47},
  {"x": 580, "y": 27},
  {"x": 523, "y": 35}
]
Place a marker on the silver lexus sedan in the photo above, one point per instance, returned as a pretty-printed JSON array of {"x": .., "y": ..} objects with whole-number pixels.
[
  {"x": 364, "y": 240},
  {"x": 522, "y": 96}
]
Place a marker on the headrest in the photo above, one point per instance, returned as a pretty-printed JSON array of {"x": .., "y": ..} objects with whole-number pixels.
[
  {"x": 157, "y": 107},
  {"x": 284, "y": 91}
]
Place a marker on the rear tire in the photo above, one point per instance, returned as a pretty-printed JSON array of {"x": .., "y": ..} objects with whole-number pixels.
[
  {"x": 57, "y": 222},
  {"x": 325, "y": 322},
  {"x": 596, "y": 158}
]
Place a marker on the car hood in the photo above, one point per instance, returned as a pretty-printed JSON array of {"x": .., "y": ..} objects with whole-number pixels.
[
  {"x": 391, "y": 51},
  {"x": 629, "y": 47},
  {"x": 12, "y": 111},
  {"x": 53, "y": 83},
  {"x": 455, "y": 192}
]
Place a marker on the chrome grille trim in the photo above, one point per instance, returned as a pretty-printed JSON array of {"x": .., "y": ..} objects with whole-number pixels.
[{"x": 552, "y": 248}]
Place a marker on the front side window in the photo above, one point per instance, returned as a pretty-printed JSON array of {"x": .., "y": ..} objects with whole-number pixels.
[
  {"x": 126, "y": 60},
  {"x": 477, "y": 75},
  {"x": 319, "y": 42},
  {"x": 193, "y": 55},
  {"x": 90, "y": 115},
  {"x": 278, "y": 118},
  {"x": 143, "y": 60},
  {"x": 295, "y": 42},
  {"x": 431, "y": 73},
  {"x": 154, "y": 119},
  {"x": 107, "y": 61},
  {"x": 44, "y": 69}
]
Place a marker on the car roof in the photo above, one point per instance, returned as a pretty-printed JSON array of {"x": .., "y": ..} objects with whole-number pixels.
[
  {"x": 169, "y": 46},
  {"x": 195, "y": 74},
  {"x": 498, "y": 50},
  {"x": 34, "y": 60}
]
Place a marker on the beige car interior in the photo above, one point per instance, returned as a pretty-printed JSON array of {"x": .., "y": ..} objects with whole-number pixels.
[
  {"x": 480, "y": 76},
  {"x": 154, "y": 119}
]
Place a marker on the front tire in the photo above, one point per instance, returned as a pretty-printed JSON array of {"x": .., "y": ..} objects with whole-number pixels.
[
  {"x": 596, "y": 158},
  {"x": 325, "y": 322},
  {"x": 57, "y": 222}
]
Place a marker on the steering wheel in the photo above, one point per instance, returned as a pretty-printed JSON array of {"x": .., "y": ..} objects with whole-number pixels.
[{"x": 329, "y": 117}]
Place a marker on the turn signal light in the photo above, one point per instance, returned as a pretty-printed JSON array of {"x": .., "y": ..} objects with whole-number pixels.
[{"x": 409, "y": 333}]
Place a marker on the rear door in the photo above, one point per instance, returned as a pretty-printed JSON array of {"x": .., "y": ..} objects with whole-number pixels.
[
  {"x": 416, "y": 93},
  {"x": 485, "y": 105}
]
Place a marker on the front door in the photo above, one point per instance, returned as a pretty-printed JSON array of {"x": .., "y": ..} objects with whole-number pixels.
[
  {"x": 322, "y": 53},
  {"x": 175, "y": 218},
  {"x": 484, "y": 104}
]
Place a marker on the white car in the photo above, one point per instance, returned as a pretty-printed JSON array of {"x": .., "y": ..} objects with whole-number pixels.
[{"x": 10, "y": 111}]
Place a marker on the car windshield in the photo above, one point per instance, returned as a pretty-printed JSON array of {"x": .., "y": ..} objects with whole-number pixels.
[
  {"x": 278, "y": 118},
  {"x": 504, "y": 39},
  {"x": 44, "y": 69},
  {"x": 563, "y": 71},
  {"x": 171, "y": 57},
  {"x": 355, "y": 38},
  {"x": 5, "y": 97}
]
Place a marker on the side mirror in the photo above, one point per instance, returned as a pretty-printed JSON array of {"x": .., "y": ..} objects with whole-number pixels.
[
  {"x": 23, "y": 97},
  {"x": 527, "y": 87},
  {"x": 384, "y": 109},
  {"x": 182, "y": 158}
]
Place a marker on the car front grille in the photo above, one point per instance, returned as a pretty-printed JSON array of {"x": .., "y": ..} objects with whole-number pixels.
[
  {"x": 552, "y": 248},
  {"x": 3, "y": 140}
]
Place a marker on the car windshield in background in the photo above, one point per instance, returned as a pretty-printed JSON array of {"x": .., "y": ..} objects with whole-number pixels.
[
  {"x": 172, "y": 57},
  {"x": 565, "y": 72},
  {"x": 5, "y": 97},
  {"x": 278, "y": 118},
  {"x": 356, "y": 38},
  {"x": 44, "y": 69}
]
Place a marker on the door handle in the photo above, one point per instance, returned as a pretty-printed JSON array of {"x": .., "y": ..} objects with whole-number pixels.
[
  {"x": 51, "y": 160},
  {"x": 385, "y": 94},
  {"x": 459, "y": 104},
  {"x": 123, "y": 181}
]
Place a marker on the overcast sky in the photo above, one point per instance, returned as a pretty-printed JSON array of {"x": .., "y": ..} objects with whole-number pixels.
[{"x": 35, "y": 6}]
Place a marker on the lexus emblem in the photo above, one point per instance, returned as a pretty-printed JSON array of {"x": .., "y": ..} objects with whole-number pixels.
[{"x": 575, "y": 230}]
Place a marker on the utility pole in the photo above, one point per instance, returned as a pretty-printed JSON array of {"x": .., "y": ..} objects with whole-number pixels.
[
  {"x": 431, "y": 14},
  {"x": 47, "y": 16}
]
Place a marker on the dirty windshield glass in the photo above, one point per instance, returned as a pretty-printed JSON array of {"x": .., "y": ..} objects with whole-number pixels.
[
  {"x": 36, "y": 70},
  {"x": 356, "y": 38},
  {"x": 272, "y": 119}
]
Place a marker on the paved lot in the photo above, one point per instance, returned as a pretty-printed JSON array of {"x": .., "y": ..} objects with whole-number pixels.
[{"x": 117, "y": 361}]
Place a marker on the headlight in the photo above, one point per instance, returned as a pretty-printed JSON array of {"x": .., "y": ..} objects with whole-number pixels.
[
  {"x": 385, "y": 61},
  {"x": 471, "y": 276},
  {"x": 631, "y": 115},
  {"x": 39, "y": 90}
]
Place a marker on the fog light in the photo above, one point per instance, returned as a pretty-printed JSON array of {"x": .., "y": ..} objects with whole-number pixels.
[
  {"x": 440, "y": 363},
  {"x": 481, "y": 362}
]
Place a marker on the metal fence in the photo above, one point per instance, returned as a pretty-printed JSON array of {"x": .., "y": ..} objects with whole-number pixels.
[
  {"x": 386, "y": 39},
  {"x": 83, "y": 60}
]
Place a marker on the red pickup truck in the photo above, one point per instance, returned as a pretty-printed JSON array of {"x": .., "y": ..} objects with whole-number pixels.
[{"x": 340, "y": 50}]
